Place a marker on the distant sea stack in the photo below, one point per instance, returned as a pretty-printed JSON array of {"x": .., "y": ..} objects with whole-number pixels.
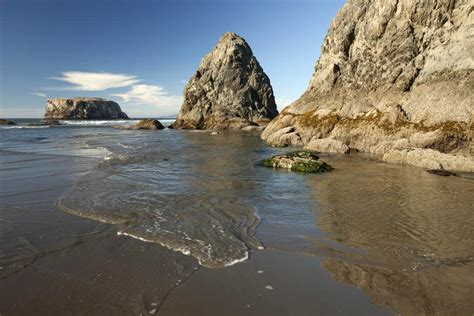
[
  {"x": 393, "y": 76},
  {"x": 228, "y": 91},
  {"x": 84, "y": 109}
]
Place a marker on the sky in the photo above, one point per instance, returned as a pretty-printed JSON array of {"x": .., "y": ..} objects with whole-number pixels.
[{"x": 141, "y": 53}]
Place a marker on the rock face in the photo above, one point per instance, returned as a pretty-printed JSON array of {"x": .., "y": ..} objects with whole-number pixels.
[
  {"x": 228, "y": 91},
  {"x": 83, "y": 108},
  {"x": 393, "y": 74},
  {"x": 302, "y": 161}
]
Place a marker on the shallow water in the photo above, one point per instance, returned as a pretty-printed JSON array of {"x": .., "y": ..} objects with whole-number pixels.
[{"x": 404, "y": 236}]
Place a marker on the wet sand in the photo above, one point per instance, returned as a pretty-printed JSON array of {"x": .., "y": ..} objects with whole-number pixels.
[
  {"x": 369, "y": 238},
  {"x": 68, "y": 265}
]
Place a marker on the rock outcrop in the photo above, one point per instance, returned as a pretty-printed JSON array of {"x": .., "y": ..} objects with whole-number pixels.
[
  {"x": 6, "y": 122},
  {"x": 393, "y": 75},
  {"x": 228, "y": 91},
  {"x": 83, "y": 108}
]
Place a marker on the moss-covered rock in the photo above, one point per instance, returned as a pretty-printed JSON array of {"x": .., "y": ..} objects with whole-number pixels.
[{"x": 302, "y": 161}]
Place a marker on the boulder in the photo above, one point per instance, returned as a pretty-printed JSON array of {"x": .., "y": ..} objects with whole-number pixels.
[
  {"x": 391, "y": 75},
  {"x": 150, "y": 124},
  {"x": 84, "y": 109},
  {"x": 328, "y": 145},
  {"x": 302, "y": 161},
  {"x": 145, "y": 124},
  {"x": 228, "y": 91}
]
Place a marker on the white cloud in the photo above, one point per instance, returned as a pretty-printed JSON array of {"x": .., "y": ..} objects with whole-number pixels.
[
  {"x": 282, "y": 103},
  {"x": 96, "y": 81},
  {"x": 39, "y": 94},
  {"x": 157, "y": 101}
]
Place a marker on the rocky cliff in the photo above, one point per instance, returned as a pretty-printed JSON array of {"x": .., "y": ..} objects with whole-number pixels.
[
  {"x": 393, "y": 75},
  {"x": 228, "y": 90},
  {"x": 83, "y": 108}
]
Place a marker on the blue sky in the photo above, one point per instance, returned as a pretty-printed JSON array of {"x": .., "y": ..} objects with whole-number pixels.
[{"x": 141, "y": 53}]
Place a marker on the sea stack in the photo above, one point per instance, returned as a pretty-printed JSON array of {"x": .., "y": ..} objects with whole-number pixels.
[
  {"x": 393, "y": 76},
  {"x": 84, "y": 109},
  {"x": 228, "y": 91}
]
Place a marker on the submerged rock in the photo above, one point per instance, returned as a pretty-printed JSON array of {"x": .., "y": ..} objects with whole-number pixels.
[
  {"x": 302, "y": 161},
  {"x": 46, "y": 123},
  {"x": 6, "y": 122},
  {"x": 443, "y": 173},
  {"x": 83, "y": 108},
  {"x": 228, "y": 91},
  {"x": 389, "y": 70}
]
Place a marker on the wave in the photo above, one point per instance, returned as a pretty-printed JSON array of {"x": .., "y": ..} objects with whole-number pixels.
[
  {"x": 23, "y": 126},
  {"x": 97, "y": 122}
]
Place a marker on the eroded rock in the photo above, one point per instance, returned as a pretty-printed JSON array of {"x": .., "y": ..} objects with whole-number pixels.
[
  {"x": 228, "y": 91},
  {"x": 392, "y": 75}
]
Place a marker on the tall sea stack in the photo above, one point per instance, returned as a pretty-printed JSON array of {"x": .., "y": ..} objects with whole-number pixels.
[
  {"x": 228, "y": 91},
  {"x": 395, "y": 77}
]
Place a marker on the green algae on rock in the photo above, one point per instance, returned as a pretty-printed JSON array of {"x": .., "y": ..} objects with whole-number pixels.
[{"x": 302, "y": 161}]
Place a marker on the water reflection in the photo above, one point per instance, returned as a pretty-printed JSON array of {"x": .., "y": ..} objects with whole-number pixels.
[{"x": 411, "y": 234}]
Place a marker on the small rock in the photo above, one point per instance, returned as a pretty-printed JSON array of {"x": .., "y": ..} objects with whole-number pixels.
[
  {"x": 260, "y": 271},
  {"x": 269, "y": 287}
]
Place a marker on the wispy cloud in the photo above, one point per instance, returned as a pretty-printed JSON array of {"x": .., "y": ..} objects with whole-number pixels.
[
  {"x": 96, "y": 81},
  {"x": 153, "y": 96},
  {"x": 39, "y": 94}
]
